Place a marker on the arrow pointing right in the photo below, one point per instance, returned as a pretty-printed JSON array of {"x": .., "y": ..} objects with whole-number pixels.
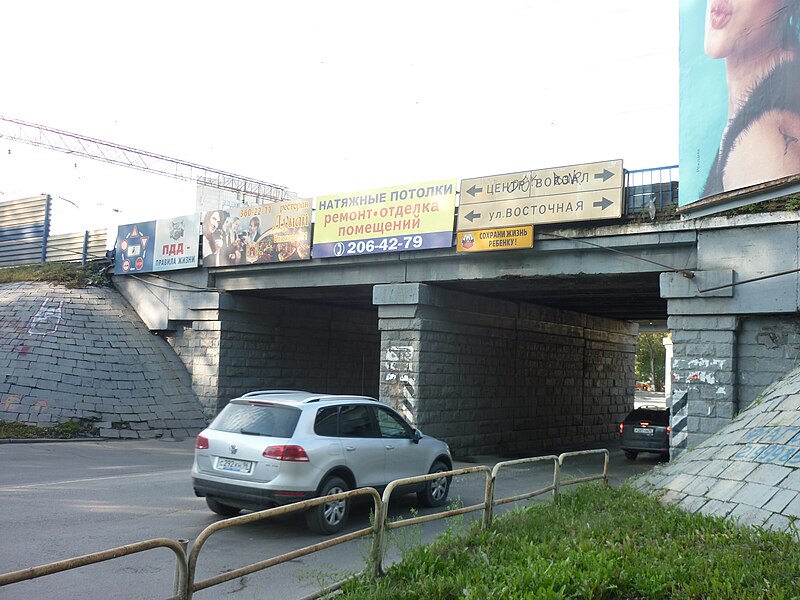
[
  {"x": 604, "y": 203},
  {"x": 472, "y": 216},
  {"x": 605, "y": 175}
]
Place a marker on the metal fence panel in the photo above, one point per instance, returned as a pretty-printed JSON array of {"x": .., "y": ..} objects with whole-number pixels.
[
  {"x": 24, "y": 226},
  {"x": 78, "y": 246},
  {"x": 25, "y": 236},
  {"x": 651, "y": 189}
]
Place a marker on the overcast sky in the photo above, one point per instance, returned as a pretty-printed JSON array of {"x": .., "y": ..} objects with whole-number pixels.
[{"x": 331, "y": 97}]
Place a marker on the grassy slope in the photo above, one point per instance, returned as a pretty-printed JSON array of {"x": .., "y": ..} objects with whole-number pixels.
[{"x": 597, "y": 543}]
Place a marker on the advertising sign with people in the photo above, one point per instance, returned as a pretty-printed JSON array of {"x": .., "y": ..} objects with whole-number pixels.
[
  {"x": 740, "y": 98},
  {"x": 262, "y": 233}
]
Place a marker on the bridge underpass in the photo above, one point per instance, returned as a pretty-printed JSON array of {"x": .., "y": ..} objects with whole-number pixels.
[
  {"x": 504, "y": 352},
  {"x": 469, "y": 329}
]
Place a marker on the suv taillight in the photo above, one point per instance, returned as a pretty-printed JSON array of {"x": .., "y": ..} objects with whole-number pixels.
[
  {"x": 621, "y": 428},
  {"x": 201, "y": 443},
  {"x": 286, "y": 453}
]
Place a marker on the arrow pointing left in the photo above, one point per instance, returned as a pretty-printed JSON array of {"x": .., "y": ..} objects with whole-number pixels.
[{"x": 472, "y": 216}]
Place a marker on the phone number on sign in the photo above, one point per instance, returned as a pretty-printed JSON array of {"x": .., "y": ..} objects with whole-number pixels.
[{"x": 406, "y": 242}]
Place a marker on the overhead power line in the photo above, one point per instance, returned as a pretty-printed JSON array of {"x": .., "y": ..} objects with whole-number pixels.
[{"x": 142, "y": 160}]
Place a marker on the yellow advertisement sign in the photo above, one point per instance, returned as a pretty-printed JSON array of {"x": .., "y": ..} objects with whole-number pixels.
[
  {"x": 393, "y": 219},
  {"x": 484, "y": 240}
]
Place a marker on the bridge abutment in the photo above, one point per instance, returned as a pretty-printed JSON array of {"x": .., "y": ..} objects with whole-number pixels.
[{"x": 492, "y": 376}]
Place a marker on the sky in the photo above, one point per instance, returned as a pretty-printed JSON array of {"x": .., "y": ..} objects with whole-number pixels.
[{"x": 330, "y": 97}]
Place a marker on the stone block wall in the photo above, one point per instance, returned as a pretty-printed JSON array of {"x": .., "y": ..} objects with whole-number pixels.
[
  {"x": 263, "y": 344},
  {"x": 703, "y": 369},
  {"x": 491, "y": 376},
  {"x": 85, "y": 355},
  {"x": 721, "y": 365},
  {"x": 768, "y": 347}
]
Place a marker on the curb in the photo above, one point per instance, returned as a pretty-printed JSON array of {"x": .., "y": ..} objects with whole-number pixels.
[{"x": 92, "y": 439}]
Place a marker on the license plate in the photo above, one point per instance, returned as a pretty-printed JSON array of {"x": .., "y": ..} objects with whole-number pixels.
[
  {"x": 236, "y": 466},
  {"x": 643, "y": 430}
]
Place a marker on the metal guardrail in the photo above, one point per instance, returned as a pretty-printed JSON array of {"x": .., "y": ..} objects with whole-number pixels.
[
  {"x": 193, "y": 586},
  {"x": 185, "y": 586},
  {"x": 177, "y": 546}
]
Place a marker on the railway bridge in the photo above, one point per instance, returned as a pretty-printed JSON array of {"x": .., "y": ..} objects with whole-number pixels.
[{"x": 504, "y": 352}]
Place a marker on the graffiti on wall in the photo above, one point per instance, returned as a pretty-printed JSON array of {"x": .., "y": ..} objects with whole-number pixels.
[{"x": 398, "y": 366}]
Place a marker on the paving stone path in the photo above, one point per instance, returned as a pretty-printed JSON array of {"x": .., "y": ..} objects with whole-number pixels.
[
  {"x": 749, "y": 471},
  {"x": 69, "y": 354}
]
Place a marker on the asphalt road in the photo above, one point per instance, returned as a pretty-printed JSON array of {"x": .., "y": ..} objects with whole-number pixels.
[{"x": 66, "y": 499}]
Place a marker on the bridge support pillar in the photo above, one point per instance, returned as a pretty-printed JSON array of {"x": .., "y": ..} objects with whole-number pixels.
[{"x": 704, "y": 393}]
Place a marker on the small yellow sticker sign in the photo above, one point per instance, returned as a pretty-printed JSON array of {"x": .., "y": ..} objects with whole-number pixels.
[{"x": 484, "y": 240}]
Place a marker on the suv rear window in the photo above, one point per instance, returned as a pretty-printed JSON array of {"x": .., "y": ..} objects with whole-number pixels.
[
  {"x": 654, "y": 415},
  {"x": 257, "y": 419}
]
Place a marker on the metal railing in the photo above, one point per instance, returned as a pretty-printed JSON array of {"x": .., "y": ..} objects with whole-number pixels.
[
  {"x": 651, "y": 190},
  {"x": 184, "y": 584},
  {"x": 180, "y": 582}
]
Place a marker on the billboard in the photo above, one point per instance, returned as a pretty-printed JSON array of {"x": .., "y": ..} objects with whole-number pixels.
[
  {"x": 163, "y": 245},
  {"x": 393, "y": 219},
  {"x": 739, "y": 98},
  {"x": 264, "y": 233}
]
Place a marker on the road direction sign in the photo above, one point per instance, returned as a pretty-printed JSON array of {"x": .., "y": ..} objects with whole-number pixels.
[{"x": 573, "y": 193}]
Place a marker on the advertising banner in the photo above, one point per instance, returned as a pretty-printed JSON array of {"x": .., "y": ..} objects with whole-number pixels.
[
  {"x": 264, "y": 233},
  {"x": 393, "y": 219},
  {"x": 739, "y": 98},
  {"x": 162, "y": 245},
  {"x": 487, "y": 240}
]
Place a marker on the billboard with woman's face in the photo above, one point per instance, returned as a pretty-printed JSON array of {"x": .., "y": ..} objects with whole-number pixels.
[{"x": 740, "y": 94}]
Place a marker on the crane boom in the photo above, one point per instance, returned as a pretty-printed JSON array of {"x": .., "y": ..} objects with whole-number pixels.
[{"x": 142, "y": 160}]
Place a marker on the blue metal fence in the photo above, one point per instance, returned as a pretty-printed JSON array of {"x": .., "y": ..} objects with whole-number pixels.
[
  {"x": 25, "y": 237},
  {"x": 649, "y": 192}
]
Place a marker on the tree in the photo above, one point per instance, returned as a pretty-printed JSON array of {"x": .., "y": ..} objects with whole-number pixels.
[{"x": 650, "y": 359}]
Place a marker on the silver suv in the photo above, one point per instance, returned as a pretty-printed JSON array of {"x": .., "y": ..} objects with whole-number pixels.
[{"x": 274, "y": 447}]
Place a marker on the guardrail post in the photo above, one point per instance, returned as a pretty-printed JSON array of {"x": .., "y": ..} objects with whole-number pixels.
[
  {"x": 556, "y": 479},
  {"x": 179, "y": 587},
  {"x": 376, "y": 554},
  {"x": 489, "y": 501}
]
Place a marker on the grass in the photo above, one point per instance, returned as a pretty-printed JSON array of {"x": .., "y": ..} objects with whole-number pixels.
[
  {"x": 596, "y": 543},
  {"x": 72, "y": 275},
  {"x": 61, "y": 431}
]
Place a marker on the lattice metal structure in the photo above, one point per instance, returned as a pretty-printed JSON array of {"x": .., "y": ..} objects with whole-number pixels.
[{"x": 142, "y": 160}]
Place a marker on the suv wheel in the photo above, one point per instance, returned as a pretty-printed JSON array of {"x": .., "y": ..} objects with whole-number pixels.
[
  {"x": 631, "y": 454},
  {"x": 222, "y": 509},
  {"x": 436, "y": 490},
  {"x": 329, "y": 517}
]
